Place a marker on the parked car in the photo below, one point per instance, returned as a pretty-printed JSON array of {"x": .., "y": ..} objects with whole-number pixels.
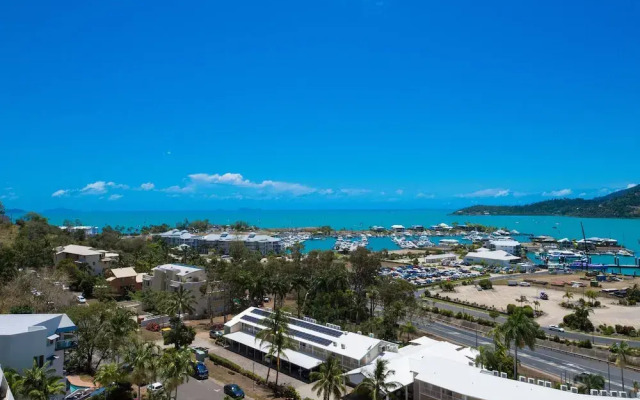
[
  {"x": 214, "y": 334},
  {"x": 154, "y": 387},
  {"x": 525, "y": 284},
  {"x": 233, "y": 391},
  {"x": 556, "y": 328},
  {"x": 81, "y": 299},
  {"x": 200, "y": 371},
  {"x": 544, "y": 296}
]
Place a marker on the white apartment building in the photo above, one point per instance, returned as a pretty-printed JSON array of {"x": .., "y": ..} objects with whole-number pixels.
[
  {"x": 512, "y": 247},
  {"x": 313, "y": 343},
  {"x": 221, "y": 242},
  {"x": 97, "y": 260},
  {"x": 170, "y": 277},
  {"x": 88, "y": 230},
  {"x": 40, "y": 337}
]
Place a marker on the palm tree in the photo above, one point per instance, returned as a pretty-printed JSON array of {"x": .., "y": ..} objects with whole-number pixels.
[
  {"x": 590, "y": 381},
  {"x": 14, "y": 380},
  {"x": 180, "y": 302},
  {"x": 141, "y": 356},
  {"x": 109, "y": 374},
  {"x": 409, "y": 329},
  {"x": 377, "y": 383},
  {"x": 591, "y": 295},
  {"x": 41, "y": 383},
  {"x": 521, "y": 330},
  {"x": 536, "y": 305},
  {"x": 568, "y": 295},
  {"x": 176, "y": 368},
  {"x": 329, "y": 380},
  {"x": 636, "y": 387},
  {"x": 622, "y": 351},
  {"x": 277, "y": 337}
]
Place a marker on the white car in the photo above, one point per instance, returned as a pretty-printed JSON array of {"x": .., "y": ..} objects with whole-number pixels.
[
  {"x": 81, "y": 299},
  {"x": 154, "y": 387},
  {"x": 556, "y": 328},
  {"x": 526, "y": 284}
]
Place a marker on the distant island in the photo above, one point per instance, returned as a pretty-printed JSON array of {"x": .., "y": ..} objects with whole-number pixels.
[{"x": 621, "y": 204}]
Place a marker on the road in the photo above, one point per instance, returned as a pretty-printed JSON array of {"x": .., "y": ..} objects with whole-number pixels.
[
  {"x": 563, "y": 335},
  {"x": 549, "y": 361}
]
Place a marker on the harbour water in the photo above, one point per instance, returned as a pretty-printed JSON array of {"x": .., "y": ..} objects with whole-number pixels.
[{"x": 626, "y": 231}]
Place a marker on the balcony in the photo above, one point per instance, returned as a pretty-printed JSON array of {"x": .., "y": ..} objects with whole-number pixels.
[{"x": 66, "y": 344}]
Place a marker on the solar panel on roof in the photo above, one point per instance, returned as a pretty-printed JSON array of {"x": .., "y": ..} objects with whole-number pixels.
[
  {"x": 292, "y": 332},
  {"x": 251, "y": 319}
]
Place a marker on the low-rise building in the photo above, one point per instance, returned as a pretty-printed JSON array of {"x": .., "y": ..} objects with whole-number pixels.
[
  {"x": 170, "y": 277},
  {"x": 495, "y": 258},
  {"x": 88, "y": 230},
  {"x": 40, "y": 337},
  {"x": 97, "y": 260},
  {"x": 264, "y": 244},
  {"x": 512, "y": 247},
  {"x": 397, "y": 228},
  {"x": 123, "y": 280},
  {"x": 312, "y": 343}
]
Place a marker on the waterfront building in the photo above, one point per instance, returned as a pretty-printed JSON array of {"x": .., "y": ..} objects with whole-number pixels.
[
  {"x": 512, "y": 247},
  {"x": 97, "y": 260},
  {"x": 313, "y": 343},
  {"x": 498, "y": 258},
  {"x": 88, "y": 230},
  {"x": 170, "y": 277},
  {"x": 221, "y": 242},
  {"x": 40, "y": 337},
  {"x": 397, "y": 228}
]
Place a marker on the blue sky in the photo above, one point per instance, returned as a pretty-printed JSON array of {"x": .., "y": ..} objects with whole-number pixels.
[{"x": 331, "y": 104}]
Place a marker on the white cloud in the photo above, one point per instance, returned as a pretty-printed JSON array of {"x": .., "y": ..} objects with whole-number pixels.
[
  {"x": 114, "y": 197},
  {"x": 631, "y": 185},
  {"x": 487, "y": 193},
  {"x": 235, "y": 179},
  {"x": 583, "y": 194},
  {"x": 101, "y": 187},
  {"x": 178, "y": 189},
  {"x": 558, "y": 193},
  {"x": 354, "y": 191},
  {"x": 425, "y": 195},
  {"x": 399, "y": 192},
  {"x": 60, "y": 193},
  {"x": 147, "y": 186}
]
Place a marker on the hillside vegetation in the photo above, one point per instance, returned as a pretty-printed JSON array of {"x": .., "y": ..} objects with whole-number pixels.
[{"x": 621, "y": 204}]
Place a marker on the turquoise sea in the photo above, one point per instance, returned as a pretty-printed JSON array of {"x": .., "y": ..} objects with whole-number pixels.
[{"x": 626, "y": 231}]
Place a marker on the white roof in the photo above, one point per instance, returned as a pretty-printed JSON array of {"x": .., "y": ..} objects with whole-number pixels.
[
  {"x": 511, "y": 243},
  {"x": 79, "y": 250},
  {"x": 252, "y": 237},
  {"x": 355, "y": 346},
  {"x": 180, "y": 268},
  {"x": 299, "y": 359},
  {"x": 397, "y": 227},
  {"x": 497, "y": 255},
  {"x": 422, "y": 350},
  {"x": 13, "y": 324},
  {"x": 440, "y": 256},
  {"x": 473, "y": 382}
]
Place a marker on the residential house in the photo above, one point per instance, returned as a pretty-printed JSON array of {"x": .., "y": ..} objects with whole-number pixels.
[
  {"x": 123, "y": 280},
  {"x": 97, "y": 260},
  {"x": 40, "y": 337}
]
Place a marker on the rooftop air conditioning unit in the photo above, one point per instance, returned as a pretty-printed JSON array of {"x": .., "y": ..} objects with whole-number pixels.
[
  {"x": 623, "y": 394},
  {"x": 613, "y": 393},
  {"x": 573, "y": 389},
  {"x": 604, "y": 393},
  {"x": 343, "y": 346},
  {"x": 335, "y": 344},
  {"x": 522, "y": 378},
  {"x": 531, "y": 381},
  {"x": 564, "y": 388},
  {"x": 371, "y": 334},
  {"x": 496, "y": 373},
  {"x": 547, "y": 384},
  {"x": 540, "y": 382},
  {"x": 594, "y": 392},
  {"x": 503, "y": 375},
  {"x": 359, "y": 332}
]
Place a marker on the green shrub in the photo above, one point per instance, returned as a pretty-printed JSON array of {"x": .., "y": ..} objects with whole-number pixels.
[{"x": 485, "y": 284}]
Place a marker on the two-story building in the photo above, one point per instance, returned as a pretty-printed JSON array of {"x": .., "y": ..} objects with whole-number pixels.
[
  {"x": 512, "y": 247},
  {"x": 97, "y": 260},
  {"x": 123, "y": 280},
  {"x": 312, "y": 343},
  {"x": 170, "y": 277},
  {"x": 40, "y": 337}
]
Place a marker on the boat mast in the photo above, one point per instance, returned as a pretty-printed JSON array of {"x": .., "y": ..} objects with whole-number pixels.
[{"x": 586, "y": 248}]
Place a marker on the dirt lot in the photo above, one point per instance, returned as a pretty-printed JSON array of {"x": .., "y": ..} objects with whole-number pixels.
[
  {"x": 579, "y": 277},
  {"x": 500, "y": 296}
]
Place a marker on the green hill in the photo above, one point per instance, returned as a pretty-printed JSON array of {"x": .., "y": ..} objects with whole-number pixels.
[{"x": 621, "y": 204}]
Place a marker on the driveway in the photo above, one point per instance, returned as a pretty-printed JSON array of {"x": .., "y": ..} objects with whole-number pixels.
[{"x": 206, "y": 389}]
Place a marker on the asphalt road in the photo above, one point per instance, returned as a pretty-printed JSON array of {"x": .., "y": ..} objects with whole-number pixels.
[
  {"x": 563, "y": 335},
  {"x": 564, "y": 366},
  {"x": 205, "y": 389}
]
